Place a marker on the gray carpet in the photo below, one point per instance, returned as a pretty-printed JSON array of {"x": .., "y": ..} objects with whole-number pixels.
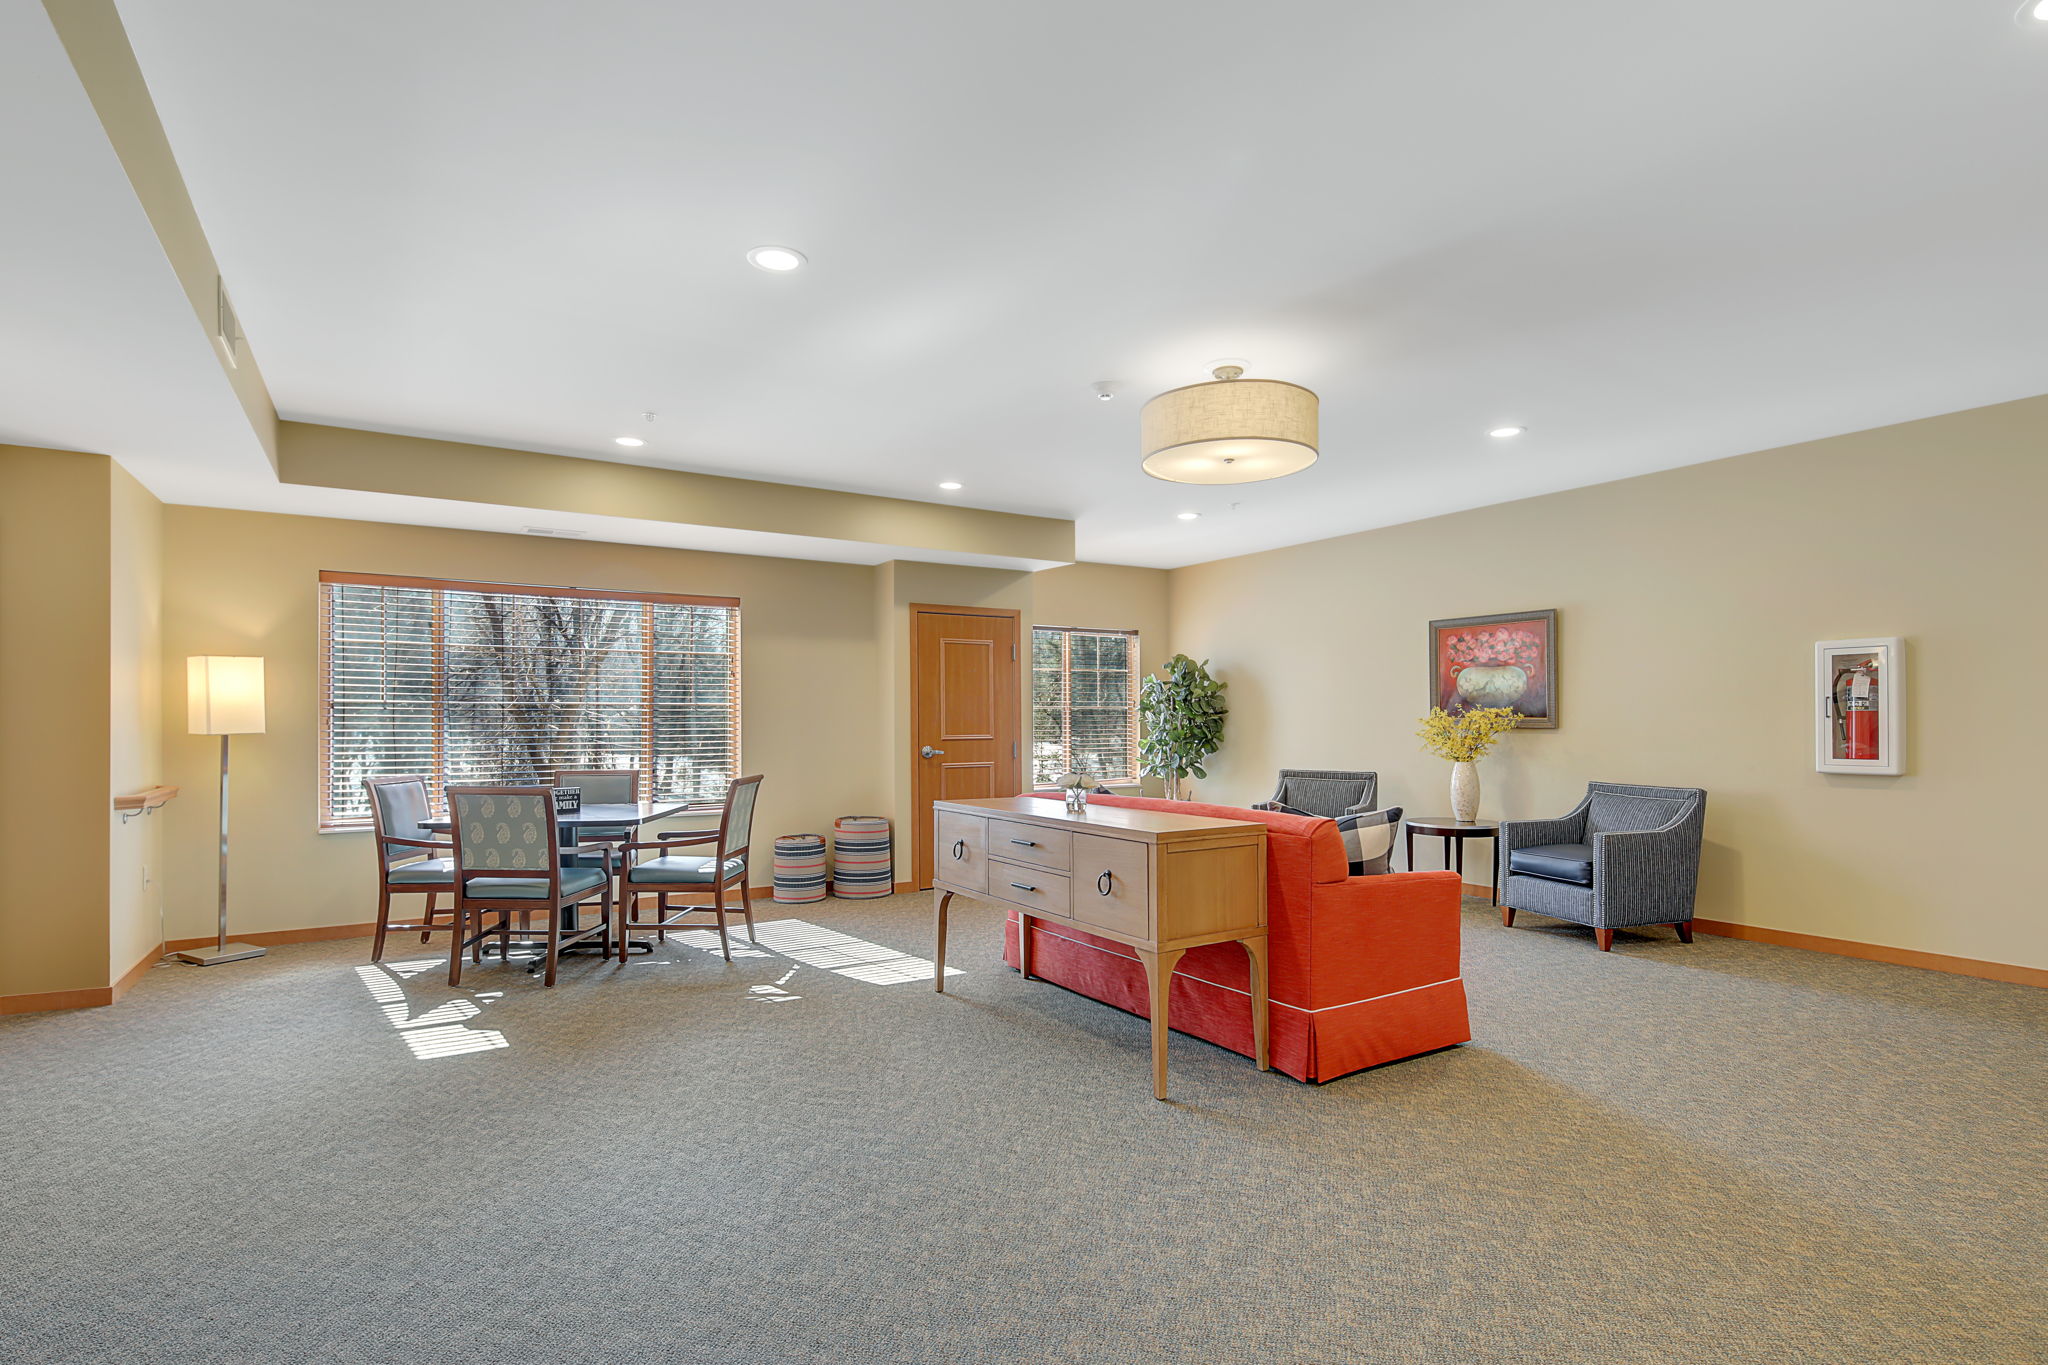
[{"x": 1722, "y": 1153}]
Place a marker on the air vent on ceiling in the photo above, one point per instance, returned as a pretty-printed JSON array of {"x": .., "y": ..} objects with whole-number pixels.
[
  {"x": 227, "y": 328},
  {"x": 562, "y": 532}
]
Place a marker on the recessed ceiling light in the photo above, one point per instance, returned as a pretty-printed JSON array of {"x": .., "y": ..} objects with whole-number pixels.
[
  {"x": 1502, "y": 433},
  {"x": 950, "y": 486},
  {"x": 629, "y": 440},
  {"x": 776, "y": 258},
  {"x": 1188, "y": 516},
  {"x": 2034, "y": 11}
]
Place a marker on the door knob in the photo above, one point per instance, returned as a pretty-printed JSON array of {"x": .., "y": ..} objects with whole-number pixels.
[{"x": 929, "y": 752}]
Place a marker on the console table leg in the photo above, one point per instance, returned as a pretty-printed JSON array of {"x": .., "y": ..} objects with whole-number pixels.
[
  {"x": 1159, "y": 978},
  {"x": 1255, "y": 952},
  {"x": 939, "y": 952}
]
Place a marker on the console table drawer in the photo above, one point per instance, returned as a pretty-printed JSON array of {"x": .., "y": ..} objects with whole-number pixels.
[
  {"x": 962, "y": 855},
  {"x": 1112, "y": 885},
  {"x": 1029, "y": 888},
  {"x": 1030, "y": 844}
]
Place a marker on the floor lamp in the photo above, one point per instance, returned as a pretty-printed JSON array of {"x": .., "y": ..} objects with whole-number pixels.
[{"x": 223, "y": 696}]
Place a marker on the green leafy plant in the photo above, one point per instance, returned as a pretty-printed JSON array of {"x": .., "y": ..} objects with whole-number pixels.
[{"x": 1182, "y": 708}]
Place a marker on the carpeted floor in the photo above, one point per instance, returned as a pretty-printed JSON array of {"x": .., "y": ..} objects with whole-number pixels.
[{"x": 1723, "y": 1153}]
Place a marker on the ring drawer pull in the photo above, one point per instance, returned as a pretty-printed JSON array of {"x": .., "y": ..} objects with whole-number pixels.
[
  {"x": 1025, "y": 843},
  {"x": 1103, "y": 883},
  {"x": 1021, "y": 887},
  {"x": 959, "y": 849}
]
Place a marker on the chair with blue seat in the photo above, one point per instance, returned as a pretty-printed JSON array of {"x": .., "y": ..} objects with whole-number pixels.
[
  {"x": 601, "y": 787},
  {"x": 506, "y": 864},
  {"x": 673, "y": 874},
  {"x": 1330, "y": 793},
  {"x": 1625, "y": 856},
  {"x": 406, "y": 861}
]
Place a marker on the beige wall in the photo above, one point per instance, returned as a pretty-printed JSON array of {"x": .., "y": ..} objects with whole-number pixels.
[
  {"x": 1689, "y": 603},
  {"x": 135, "y": 728},
  {"x": 825, "y": 702},
  {"x": 54, "y": 712},
  {"x": 246, "y": 583}
]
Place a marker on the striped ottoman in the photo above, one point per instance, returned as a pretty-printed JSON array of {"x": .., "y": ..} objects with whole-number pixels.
[
  {"x": 799, "y": 868},
  {"x": 863, "y": 863}
]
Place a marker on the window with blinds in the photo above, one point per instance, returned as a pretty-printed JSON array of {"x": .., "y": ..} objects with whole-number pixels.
[
  {"x": 1084, "y": 704},
  {"x": 495, "y": 683}
]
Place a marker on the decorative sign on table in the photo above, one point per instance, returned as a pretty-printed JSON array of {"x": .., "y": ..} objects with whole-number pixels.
[
  {"x": 1507, "y": 660},
  {"x": 568, "y": 800}
]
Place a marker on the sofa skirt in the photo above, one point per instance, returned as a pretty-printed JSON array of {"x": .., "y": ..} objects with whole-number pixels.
[{"x": 1209, "y": 1000}]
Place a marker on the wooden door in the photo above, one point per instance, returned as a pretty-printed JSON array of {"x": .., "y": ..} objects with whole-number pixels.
[{"x": 966, "y": 718}]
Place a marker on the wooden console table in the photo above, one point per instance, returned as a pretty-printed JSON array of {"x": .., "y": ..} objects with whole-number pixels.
[{"x": 1158, "y": 882}]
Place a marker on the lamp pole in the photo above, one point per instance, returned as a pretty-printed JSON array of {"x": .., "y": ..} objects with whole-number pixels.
[{"x": 225, "y": 698}]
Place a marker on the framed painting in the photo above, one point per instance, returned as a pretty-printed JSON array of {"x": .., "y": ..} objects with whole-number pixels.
[{"x": 1507, "y": 660}]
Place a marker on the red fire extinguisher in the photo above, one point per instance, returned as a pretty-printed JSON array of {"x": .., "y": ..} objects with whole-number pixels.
[{"x": 1856, "y": 710}]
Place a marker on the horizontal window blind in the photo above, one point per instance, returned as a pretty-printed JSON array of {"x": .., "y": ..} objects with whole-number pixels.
[
  {"x": 496, "y": 683},
  {"x": 1084, "y": 704}
]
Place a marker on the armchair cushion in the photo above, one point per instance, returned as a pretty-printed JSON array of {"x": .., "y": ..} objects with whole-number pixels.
[
  {"x": 682, "y": 871},
  {"x": 574, "y": 880},
  {"x": 1558, "y": 862},
  {"x": 432, "y": 872}
]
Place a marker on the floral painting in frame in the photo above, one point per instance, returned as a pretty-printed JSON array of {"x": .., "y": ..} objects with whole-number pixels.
[{"x": 1506, "y": 660}]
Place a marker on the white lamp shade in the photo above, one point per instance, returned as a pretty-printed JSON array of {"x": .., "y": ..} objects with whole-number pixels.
[
  {"x": 224, "y": 694},
  {"x": 1229, "y": 431}
]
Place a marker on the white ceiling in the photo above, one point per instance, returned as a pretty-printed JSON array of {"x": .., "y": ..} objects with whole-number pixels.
[{"x": 1656, "y": 234}]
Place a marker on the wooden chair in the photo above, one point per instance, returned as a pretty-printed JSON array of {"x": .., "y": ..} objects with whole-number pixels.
[
  {"x": 672, "y": 875},
  {"x": 506, "y": 864},
  {"x": 601, "y": 787},
  {"x": 398, "y": 806}
]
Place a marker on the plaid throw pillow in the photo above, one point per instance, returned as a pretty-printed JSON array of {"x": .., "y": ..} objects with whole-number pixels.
[{"x": 1369, "y": 840}]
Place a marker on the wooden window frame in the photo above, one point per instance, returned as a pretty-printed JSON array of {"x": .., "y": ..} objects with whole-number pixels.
[
  {"x": 1067, "y": 709},
  {"x": 437, "y": 778}
]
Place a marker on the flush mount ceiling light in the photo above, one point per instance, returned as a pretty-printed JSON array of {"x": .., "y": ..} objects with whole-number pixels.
[
  {"x": 1502, "y": 433},
  {"x": 1188, "y": 516},
  {"x": 628, "y": 441},
  {"x": 1229, "y": 430},
  {"x": 779, "y": 259},
  {"x": 950, "y": 486},
  {"x": 2033, "y": 12}
]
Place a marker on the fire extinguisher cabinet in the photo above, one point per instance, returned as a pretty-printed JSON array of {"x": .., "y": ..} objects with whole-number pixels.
[{"x": 1860, "y": 725}]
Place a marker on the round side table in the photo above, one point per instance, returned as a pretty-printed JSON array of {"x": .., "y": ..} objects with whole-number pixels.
[{"x": 1454, "y": 833}]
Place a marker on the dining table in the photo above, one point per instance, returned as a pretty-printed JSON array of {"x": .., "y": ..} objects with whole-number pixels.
[{"x": 591, "y": 815}]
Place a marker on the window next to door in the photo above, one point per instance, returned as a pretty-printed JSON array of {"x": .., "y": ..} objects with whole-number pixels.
[{"x": 1084, "y": 704}]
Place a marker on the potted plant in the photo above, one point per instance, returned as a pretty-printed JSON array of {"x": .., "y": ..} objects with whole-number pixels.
[
  {"x": 1464, "y": 740},
  {"x": 1182, "y": 708}
]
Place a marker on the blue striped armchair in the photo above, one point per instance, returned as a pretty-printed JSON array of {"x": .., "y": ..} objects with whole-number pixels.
[{"x": 1625, "y": 856}]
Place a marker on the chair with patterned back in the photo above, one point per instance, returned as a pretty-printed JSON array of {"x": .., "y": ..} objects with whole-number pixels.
[
  {"x": 672, "y": 875},
  {"x": 406, "y": 861},
  {"x": 601, "y": 787},
  {"x": 1625, "y": 857},
  {"x": 506, "y": 864},
  {"x": 1325, "y": 792}
]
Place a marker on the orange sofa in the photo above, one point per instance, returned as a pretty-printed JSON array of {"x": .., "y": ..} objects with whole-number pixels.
[{"x": 1364, "y": 969}]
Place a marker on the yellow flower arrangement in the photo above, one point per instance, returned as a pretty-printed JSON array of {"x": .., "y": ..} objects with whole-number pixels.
[{"x": 1465, "y": 738}]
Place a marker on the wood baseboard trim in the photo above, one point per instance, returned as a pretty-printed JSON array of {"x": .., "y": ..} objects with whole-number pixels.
[
  {"x": 1873, "y": 952},
  {"x": 38, "y": 1001},
  {"x": 134, "y": 974},
  {"x": 269, "y": 937},
  {"x": 1476, "y": 889}
]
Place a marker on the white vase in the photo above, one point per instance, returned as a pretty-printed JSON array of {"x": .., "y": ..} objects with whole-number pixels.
[{"x": 1465, "y": 791}]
